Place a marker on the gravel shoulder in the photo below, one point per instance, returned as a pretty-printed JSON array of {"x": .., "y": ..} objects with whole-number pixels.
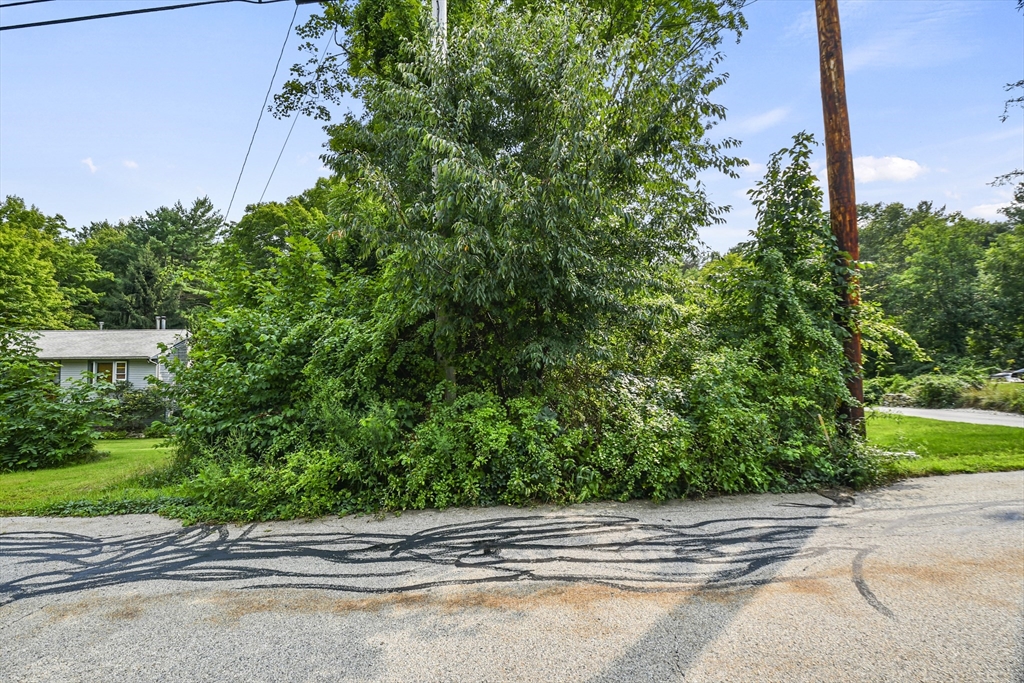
[
  {"x": 923, "y": 580},
  {"x": 968, "y": 415}
]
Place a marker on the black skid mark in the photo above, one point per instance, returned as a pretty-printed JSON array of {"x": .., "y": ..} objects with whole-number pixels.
[
  {"x": 862, "y": 585},
  {"x": 617, "y": 551}
]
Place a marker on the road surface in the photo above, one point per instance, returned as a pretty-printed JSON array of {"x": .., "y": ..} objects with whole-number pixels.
[
  {"x": 969, "y": 415},
  {"x": 921, "y": 581}
]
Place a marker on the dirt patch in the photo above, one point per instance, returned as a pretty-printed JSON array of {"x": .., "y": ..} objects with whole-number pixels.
[
  {"x": 814, "y": 587},
  {"x": 125, "y": 613},
  {"x": 77, "y": 609},
  {"x": 577, "y": 597},
  {"x": 229, "y": 606},
  {"x": 946, "y": 570},
  {"x": 573, "y": 597},
  {"x": 233, "y": 605}
]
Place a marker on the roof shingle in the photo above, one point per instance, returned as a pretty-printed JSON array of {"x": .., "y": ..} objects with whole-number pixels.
[{"x": 103, "y": 344}]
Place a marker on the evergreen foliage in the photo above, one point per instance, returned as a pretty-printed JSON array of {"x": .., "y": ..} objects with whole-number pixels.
[{"x": 156, "y": 262}]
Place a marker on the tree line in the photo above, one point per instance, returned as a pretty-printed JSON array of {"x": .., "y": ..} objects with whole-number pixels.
[
  {"x": 120, "y": 274},
  {"x": 954, "y": 284}
]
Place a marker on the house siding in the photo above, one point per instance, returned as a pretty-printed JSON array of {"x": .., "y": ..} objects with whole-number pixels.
[
  {"x": 138, "y": 370},
  {"x": 71, "y": 370}
]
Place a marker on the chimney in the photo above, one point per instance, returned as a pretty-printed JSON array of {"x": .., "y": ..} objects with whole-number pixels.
[
  {"x": 101, "y": 324},
  {"x": 161, "y": 322}
]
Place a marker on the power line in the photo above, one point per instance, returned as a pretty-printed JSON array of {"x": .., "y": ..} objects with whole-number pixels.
[
  {"x": 266, "y": 98},
  {"x": 23, "y": 2},
  {"x": 295, "y": 118},
  {"x": 127, "y": 13}
]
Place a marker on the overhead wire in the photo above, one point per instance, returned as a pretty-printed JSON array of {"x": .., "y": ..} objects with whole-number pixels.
[
  {"x": 266, "y": 98},
  {"x": 22, "y": 2},
  {"x": 126, "y": 13},
  {"x": 295, "y": 118}
]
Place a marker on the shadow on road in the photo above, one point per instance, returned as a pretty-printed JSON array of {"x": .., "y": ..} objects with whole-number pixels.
[{"x": 616, "y": 551}]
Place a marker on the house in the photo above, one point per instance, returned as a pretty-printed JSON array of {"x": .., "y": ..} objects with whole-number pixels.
[{"x": 113, "y": 355}]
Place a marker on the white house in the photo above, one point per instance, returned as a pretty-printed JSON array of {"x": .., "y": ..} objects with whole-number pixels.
[{"x": 114, "y": 355}]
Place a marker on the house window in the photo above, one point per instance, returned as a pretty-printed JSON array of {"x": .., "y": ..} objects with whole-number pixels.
[{"x": 111, "y": 370}]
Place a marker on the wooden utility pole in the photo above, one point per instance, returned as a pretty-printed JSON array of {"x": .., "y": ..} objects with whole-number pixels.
[{"x": 841, "y": 196}]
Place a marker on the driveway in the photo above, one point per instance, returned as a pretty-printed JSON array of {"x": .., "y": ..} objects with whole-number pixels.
[
  {"x": 969, "y": 415},
  {"x": 921, "y": 581}
]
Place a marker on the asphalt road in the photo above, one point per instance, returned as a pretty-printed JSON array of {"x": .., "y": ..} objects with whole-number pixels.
[
  {"x": 969, "y": 415},
  {"x": 921, "y": 581}
]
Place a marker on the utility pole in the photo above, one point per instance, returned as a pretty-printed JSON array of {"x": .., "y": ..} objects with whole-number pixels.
[
  {"x": 440, "y": 11},
  {"x": 841, "y": 195}
]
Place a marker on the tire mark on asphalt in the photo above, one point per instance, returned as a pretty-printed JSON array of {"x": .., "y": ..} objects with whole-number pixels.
[
  {"x": 604, "y": 549},
  {"x": 862, "y": 585}
]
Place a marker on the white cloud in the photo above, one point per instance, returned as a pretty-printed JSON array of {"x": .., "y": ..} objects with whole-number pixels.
[
  {"x": 91, "y": 166},
  {"x": 755, "y": 124},
  {"x": 805, "y": 25},
  {"x": 907, "y": 35},
  {"x": 130, "y": 164},
  {"x": 752, "y": 169},
  {"x": 893, "y": 169},
  {"x": 988, "y": 211}
]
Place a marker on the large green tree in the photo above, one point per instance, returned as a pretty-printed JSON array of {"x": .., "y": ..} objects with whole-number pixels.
[
  {"x": 925, "y": 272},
  {"x": 47, "y": 281},
  {"x": 1001, "y": 280},
  {"x": 156, "y": 260},
  {"x": 522, "y": 189},
  {"x": 497, "y": 304}
]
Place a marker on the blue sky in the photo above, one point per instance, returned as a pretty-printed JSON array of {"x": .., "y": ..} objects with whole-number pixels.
[{"x": 108, "y": 119}]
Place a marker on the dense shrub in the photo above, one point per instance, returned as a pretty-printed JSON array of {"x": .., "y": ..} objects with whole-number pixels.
[
  {"x": 1007, "y": 396},
  {"x": 940, "y": 391},
  {"x": 316, "y": 397},
  {"x": 134, "y": 409},
  {"x": 876, "y": 388},
  {"x": 157, "y": 430},
  {"x": 42, "y": 424},
  {"x": 497, "y": 300}
]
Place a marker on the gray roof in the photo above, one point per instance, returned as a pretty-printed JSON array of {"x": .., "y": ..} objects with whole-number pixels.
[{"x": 103, "y": 344}]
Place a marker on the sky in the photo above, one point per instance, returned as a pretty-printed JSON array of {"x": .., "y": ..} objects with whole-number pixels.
[{"x": 104, "y": 120}]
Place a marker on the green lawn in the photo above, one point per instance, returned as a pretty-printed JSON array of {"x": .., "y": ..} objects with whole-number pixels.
[
  {"x": 947, "y": 447},
  {"x": 21, "y": 492}
]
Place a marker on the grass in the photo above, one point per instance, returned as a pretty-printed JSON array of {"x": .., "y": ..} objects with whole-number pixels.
[
  {"x": 114, "y": 475},
  {"x": 947, "y": 447}
]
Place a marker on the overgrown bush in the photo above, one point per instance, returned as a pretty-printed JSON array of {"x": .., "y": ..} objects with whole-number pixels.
[
  {"x": 497, "y": 302},
  {"x": 1006, "y": 396},
  {"x": 41, "y": 423},
  {"x": 877, "y": 388},
  {"x": 134, "y": 409},
  {"x": 940, "y": 391},
  {"x": 318, "y": 399},
  {"x": 157, "y": 430}
]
